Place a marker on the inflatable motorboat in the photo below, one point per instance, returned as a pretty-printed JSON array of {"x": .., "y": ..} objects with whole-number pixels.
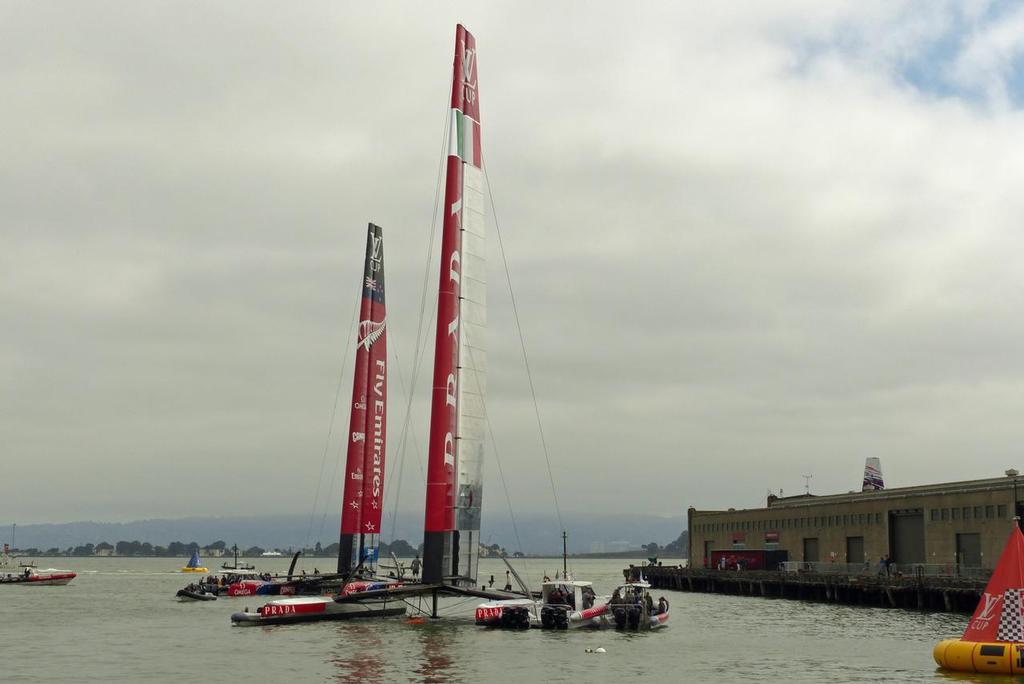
[
  {"x": 563, "y": 604},
  {"x": 196, "y": 593},
  {"x": 633, "y": 608}
]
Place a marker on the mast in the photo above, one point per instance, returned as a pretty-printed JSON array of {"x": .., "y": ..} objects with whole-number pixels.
[
  {"x": 565, "y": 555},
  {"x": 373, "y": 336},
  {"x": 358, "y": 494},
  {"x": 457, "y": 419}
]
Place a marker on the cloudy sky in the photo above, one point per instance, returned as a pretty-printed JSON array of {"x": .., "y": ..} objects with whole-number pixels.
[{"x": 748, "y": 242}]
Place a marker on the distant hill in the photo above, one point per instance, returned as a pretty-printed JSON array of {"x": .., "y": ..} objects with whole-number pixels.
[{"x": 537, "y": 534}]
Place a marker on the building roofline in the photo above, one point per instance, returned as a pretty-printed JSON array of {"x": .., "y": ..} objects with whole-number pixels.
[{"x": 795, "y": 503}]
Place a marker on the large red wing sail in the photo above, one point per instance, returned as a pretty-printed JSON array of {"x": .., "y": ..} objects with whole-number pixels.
[
  {"x": 363, "y": 473},
  {"x": 373, "y": 337},
  {"x": 456, "y": 421},
  {"x": 998, "y": 616}
]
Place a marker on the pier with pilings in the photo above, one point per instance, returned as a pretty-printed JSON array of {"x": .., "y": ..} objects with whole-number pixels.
[{"x": 940, "y": 594}]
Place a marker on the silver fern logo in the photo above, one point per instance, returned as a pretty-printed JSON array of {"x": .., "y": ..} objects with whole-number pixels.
[{"x": 370, "y": 332}]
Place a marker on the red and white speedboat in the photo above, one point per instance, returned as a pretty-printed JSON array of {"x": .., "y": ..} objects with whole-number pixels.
[{"x": 33, "y": 576}]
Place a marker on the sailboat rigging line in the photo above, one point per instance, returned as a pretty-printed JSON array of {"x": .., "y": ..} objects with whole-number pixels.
[
  {"x": 330, "y": 425},
  {"x": 501, "y": 475},
  {"x": 396, "y": 489},
  {"x": 419, "y": 349},
  {"x": 332, "y": 488},
  {"x": 522, "y": 346}
]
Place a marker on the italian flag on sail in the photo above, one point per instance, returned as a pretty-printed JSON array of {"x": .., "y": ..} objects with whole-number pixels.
[{"x": 464, "y": 138}]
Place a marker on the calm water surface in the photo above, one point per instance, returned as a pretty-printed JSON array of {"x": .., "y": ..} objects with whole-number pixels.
[{"x": 119, "y": 622}]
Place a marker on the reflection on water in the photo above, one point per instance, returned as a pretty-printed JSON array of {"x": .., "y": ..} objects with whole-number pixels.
[
  {"x": 121, "y": 622},
  {"x": 435, "y": 662},
  {"x": 364, "y": 663}
]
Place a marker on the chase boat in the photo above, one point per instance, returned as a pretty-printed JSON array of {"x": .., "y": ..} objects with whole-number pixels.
[
  {"x": 563, "y": 604},
  {"x": 633, "y": 608},
  {"x": 32, "y": 576}
]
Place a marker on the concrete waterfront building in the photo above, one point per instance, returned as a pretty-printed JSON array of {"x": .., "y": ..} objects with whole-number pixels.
[{"x": 963, "y": 524}]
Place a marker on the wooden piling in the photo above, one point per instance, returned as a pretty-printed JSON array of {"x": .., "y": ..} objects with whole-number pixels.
[{"x": 947, "y": 594}]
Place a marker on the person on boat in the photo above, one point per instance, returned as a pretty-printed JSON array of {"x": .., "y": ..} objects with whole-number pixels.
[
  {"x": 415, "y": 566},
  {"x": 662, "y": 605},
  {"x": 556, "y": 597},
  {"x": 588, "y": 597},
  {"x": 616, "y": 597},
  {"x": 649, "y": 604},
  {"x": 490, "y": 583},
  {"x": 508, "y": 581}
]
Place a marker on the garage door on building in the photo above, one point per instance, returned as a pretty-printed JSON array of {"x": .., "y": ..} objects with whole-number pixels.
[
  {"x": 855, "y": 549},
  {"x": 906, "y": 535},
  {"x": 811, "y": 550},
  {"x": 968, "y": 550}
]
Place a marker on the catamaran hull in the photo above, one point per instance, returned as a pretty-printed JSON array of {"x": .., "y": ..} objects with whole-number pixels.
[{"x": 282, "y": 615}]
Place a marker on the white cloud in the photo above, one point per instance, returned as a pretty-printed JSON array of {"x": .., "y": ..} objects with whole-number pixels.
[{"x": 742, "y": 242}]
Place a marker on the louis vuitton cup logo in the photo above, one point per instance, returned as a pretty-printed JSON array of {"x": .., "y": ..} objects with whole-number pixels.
[
  {"x": 990, "y": 605},
  {"x": 375, "y": 256},
  {"x": 370, "y": 332},
  {"x": 468, "y": 76}
]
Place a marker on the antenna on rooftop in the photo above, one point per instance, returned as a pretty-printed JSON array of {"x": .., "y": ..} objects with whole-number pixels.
[{"x": 807, "y": 483}]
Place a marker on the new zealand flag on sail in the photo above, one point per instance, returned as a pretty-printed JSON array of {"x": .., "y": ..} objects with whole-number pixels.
[{"x": 373, "y": 284}]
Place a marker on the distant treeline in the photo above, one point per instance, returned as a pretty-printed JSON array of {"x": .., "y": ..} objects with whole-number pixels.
[
  {"x": 220, "y": 548},
  {"x": 399, "y": 547}
]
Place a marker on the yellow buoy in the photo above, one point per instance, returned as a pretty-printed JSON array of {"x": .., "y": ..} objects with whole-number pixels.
[
  {"x": 972, "y": 656},
  {"x": 994, "y": 639}
]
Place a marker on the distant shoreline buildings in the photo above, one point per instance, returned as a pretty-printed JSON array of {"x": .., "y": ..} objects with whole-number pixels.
[{"x": 953, "y": 525}]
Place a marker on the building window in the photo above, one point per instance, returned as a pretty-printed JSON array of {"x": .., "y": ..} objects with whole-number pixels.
[
  {"x": 990, "y": 511},
  {"x": 935, "y": 515},
  {"x": 846, "y": 520},
  {"x": 956, "y": 514},
  {"x": 878, "y": 518},
  {"x": 978, "y": 512},
  {"x": 945, "y": 514},
  {"x": 1002, "y": 510},
  {"x": 967, "y": 512}
]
